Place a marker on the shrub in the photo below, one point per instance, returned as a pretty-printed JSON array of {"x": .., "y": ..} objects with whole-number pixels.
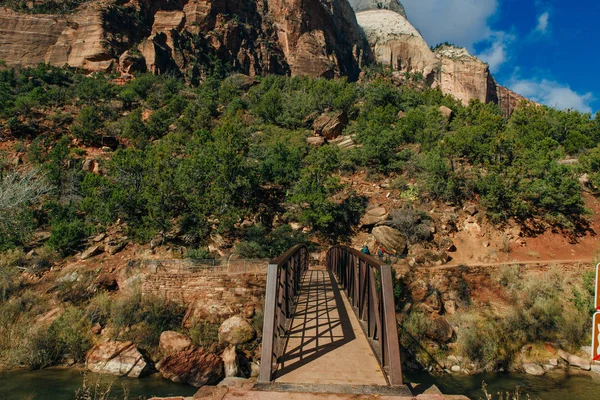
[
  {"x": 198, "y": 254},
  {"x": 40, "y": 349},
  {"x": 99, "y": 309},
  {"x": 416, "y": 226},
  {"x": 66, "y": 236},
  {"x": 147, "y": 317},
  {"x": 205, "y": 334},
  {"x": 72, "y": 331}
]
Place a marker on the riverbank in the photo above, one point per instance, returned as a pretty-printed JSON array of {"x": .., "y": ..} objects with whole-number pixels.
[
  {"x": 63, "y": 383},
  {"x": 571, "y": 385}
]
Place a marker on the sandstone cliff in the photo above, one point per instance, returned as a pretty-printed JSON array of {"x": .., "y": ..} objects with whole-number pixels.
[
  {"x": 363, "y": 5},
  {"x": 309, "y": 37},
  {"x": 397, "y": 43},
  {"x": 299, "y": 37}
]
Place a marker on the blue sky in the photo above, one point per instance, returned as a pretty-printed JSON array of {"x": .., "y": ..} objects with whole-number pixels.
[{"x": 546, "y": 50}]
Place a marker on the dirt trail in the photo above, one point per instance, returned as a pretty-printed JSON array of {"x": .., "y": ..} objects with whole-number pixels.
[{"x": 512, "y": 262}]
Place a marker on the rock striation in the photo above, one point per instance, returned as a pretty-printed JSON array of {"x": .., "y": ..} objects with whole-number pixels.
[
  {"x": 318, "y": 38},
  {"x": 363, "y": 5},
  {"x": 298, "y": 37},
  {"x": 117, "y": 358},
  {"x": 193, "y": 366}
]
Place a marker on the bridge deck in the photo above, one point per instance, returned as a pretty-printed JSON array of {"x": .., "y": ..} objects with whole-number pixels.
[{"x": 326, "y": 344}]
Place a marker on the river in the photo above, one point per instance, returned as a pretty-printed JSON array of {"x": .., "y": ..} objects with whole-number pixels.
[
  {"x": 552, "y": 386},
  {"x": 62, "y": 384}
]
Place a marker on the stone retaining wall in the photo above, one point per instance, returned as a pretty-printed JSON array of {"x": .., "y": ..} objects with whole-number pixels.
[{"x": 206, "y": 287}]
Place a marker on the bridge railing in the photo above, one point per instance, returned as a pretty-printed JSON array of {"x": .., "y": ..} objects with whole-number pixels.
[
  {"x": 283, "y": 285},
  {"x": 369, "y": 287}
]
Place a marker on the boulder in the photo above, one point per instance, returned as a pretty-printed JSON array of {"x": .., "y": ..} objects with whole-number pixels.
[
  {"x": 330, "y": 125},
  {"x": 114, "y": 246},
  {"x": 440, "y": 330},
  {"x": 574, "y": 361},
  {"x": 230, "y": 361},
  {"x": 117, "y": 358},
  {"x": 450, "y": 307},
  {"x": 344, "y": 142},
  {"x": 471, "y": 209},
  {"x": 69, "y": 277},
  {"x": 96, "y": 329},
  {"x": 173, "y": 342},
  {"x": 373, "y": 217},
  {"x": 236, "y": 330},
  {"x": 391, "y": 238},
  {"x": 91, "y": 252},
  {"x": 192, "y": 366},
  {"x": 446, "y": 112},
  {"x": 315, "y": 141},
  {"x": 533, "y": 369}
]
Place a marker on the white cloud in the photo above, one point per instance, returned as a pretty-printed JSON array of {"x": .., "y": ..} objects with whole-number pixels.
[
  {"x": 552, "y": 93},
  {"x": 542, "y": 25},
  {"x": 462, "y": 22},
  {"x": 497, "y": 54}
]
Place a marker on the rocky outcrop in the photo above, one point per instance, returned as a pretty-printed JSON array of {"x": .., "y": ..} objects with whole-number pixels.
[
  {"x": 391, "y": 238},
  {"x": 373, "y": 216},
  {"x": 236, "y": 330},
  {"x": 464, "y": 76},
  {"x": 173, "y": 342},
  {"x": 575, "y": 361},
  {"x": 395, "y": 42},
  {"x": 364, "y": 5},
  {"x": 330, "y": 125},
  {"x": 117, "y": 358},
  {"x": 310, "y": 37},
  {"x": 508, "y": 100},
  {"x": 25, "y": 38},
  {"x": 193, "y": 366}
]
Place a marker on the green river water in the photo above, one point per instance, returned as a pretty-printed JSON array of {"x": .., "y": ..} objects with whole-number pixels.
[
  {"x": 61, "y": 384},
  {"x": 554, "y": 385}
]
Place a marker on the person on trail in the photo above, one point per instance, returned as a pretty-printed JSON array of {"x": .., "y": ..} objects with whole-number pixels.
[
  {"x": 365, "y": 250},
  {"x": 380, "y": 252}
]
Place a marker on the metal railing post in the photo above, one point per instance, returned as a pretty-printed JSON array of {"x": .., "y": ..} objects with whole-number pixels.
[
  {"x": 266, "y": 363},
  {"x": 391, "y": 327}
]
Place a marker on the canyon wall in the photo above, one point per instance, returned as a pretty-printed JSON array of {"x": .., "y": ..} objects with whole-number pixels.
[{"x": 299, "y": 37}]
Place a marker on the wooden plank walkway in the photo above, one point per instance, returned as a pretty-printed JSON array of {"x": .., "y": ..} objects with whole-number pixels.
[{"x": 326, "y": 345}]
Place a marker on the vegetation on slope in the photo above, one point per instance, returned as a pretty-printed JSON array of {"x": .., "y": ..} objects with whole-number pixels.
[{"x": 230, "y": 157}]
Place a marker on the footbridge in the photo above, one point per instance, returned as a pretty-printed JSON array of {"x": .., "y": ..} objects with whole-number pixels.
[{"x": 332, "y": 326}]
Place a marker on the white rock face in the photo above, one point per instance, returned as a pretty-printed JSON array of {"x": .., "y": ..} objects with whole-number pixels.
[
  {"x": 396, "y": 42},
  {"x": 364, "y": 5}
]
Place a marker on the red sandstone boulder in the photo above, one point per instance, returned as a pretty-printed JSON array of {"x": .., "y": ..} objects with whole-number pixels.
[
  {"x": 574, "y": 361},
  {"x": 330, "y": 125},
  {"x": 193, "y": 366},
  {"x": 236, "y": 330},
  {"x": 117, "y": 358},
  {"x": 173, "y": 342}
]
